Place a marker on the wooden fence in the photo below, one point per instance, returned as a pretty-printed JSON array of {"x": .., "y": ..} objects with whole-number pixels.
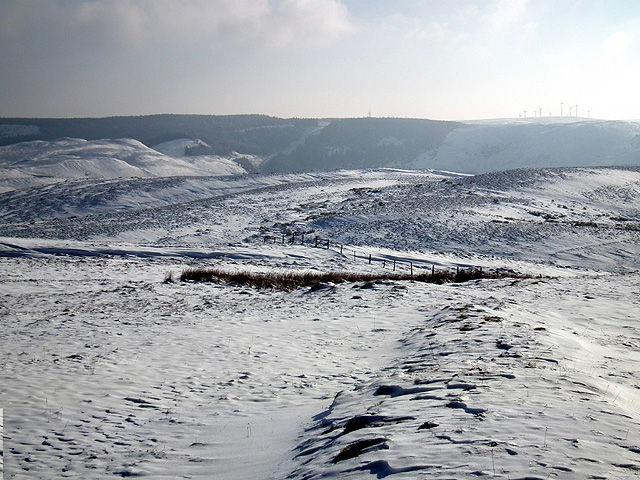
[{"x": 413, "y": 268}]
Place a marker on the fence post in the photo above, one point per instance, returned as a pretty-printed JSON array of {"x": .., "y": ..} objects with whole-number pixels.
[
  {"x": 302, "y": 243},
  {"x": 283, "y": 238},
  {"x": 328, "y": 243},
  {"x": 384, "y": 263},
  {"x": 411, "y": 263},
  {"x": 293, "y": 238},
  {"x": 354, "y": 255},
  {"x": 369, "y": 259},
  {"x": 340, "y": 249},
  {"x": 433, "y": 270},
  {"x": 394, "y": 265},
  {"x": 316, "y": 240},
  {"x": 265, "y": 239}
]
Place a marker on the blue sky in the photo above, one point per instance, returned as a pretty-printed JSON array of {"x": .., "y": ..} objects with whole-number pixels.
[{"x": 440, "y": 59}]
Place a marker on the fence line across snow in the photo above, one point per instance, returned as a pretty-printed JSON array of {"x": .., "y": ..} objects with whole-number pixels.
[{"x": 298, "y": 238}]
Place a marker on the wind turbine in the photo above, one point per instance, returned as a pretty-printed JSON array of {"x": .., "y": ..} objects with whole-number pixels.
[{"x": 561, "y": 108}]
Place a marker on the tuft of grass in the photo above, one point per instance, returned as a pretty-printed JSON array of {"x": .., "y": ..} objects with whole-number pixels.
[
  {"x": 291, "y": 280},
  {"x": 168, "y": 278}
]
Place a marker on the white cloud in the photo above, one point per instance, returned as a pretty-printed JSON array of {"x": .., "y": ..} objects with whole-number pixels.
[
  {"x": 505, "y": 13},
  {"x": 471, "y": 26},
  {"x": 529, "y": 31},
  {"x": 616, "y": 44}
]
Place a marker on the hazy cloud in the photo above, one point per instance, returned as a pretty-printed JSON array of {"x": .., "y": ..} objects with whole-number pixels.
[
  {"x": 311, "y": 22},
  {"x": 138, "y": 23},
  {"x": 467, "y": 25}
]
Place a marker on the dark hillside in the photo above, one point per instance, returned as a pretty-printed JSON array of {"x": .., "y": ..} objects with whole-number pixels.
[
  {"x": 364, "y": 143},
  {"x": 250, "y": 134}
]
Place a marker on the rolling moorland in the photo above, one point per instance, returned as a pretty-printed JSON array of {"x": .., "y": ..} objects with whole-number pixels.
[{"x": 115, "y": 365}]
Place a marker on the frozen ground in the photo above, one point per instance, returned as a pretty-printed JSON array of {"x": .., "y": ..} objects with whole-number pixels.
[{"x": 110, "y": 372}]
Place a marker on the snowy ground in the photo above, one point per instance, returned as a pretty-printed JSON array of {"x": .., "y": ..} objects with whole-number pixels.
[{"x": 108, "y": 371}]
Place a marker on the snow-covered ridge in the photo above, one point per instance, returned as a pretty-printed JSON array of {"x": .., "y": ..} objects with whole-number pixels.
[
  {"x": 176, "y": 148},
  {"x": 40, "y": 161},
  {"x": 466, "y": 147},
  {"x": 498, "y": 145},
  {"x": 565, "y": 217}
]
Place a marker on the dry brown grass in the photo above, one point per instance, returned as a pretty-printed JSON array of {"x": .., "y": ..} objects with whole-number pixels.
[{"x": 291, "y": 280}]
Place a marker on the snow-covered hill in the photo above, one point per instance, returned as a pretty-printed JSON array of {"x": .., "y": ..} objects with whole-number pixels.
[
  {"x": 362, "y": 143},
  {"x": 175, "y": 148},
  {"x": 565, "y": 217},
  {"x": 40, "y": 162},
  {"x": 494, "y": 146},
  {"x": 109, "y": 371},
  {"x": 266, "y": 144},
  {"x": 190, "y": 149},
  {"x": 468, "y": 147}
]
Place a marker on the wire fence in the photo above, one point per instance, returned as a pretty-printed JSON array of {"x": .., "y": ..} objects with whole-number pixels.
[{"x": 387, "y": 262}]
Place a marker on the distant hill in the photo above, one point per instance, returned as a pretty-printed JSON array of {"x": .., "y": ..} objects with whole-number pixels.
[
  {"x": 491, "y": 146},
  {"x": 364, "y": 143},
  {"x": 268, "y": 144},
  {"x": 41, "y": 162},
  {"x": 250, "y": 134}
]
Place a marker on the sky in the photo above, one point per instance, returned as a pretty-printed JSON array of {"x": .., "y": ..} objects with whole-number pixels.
[{"x": 437, "y": 59}]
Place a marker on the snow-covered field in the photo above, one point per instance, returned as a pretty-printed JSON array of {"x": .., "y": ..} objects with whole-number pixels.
[{"x": 108, "y": 371}]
